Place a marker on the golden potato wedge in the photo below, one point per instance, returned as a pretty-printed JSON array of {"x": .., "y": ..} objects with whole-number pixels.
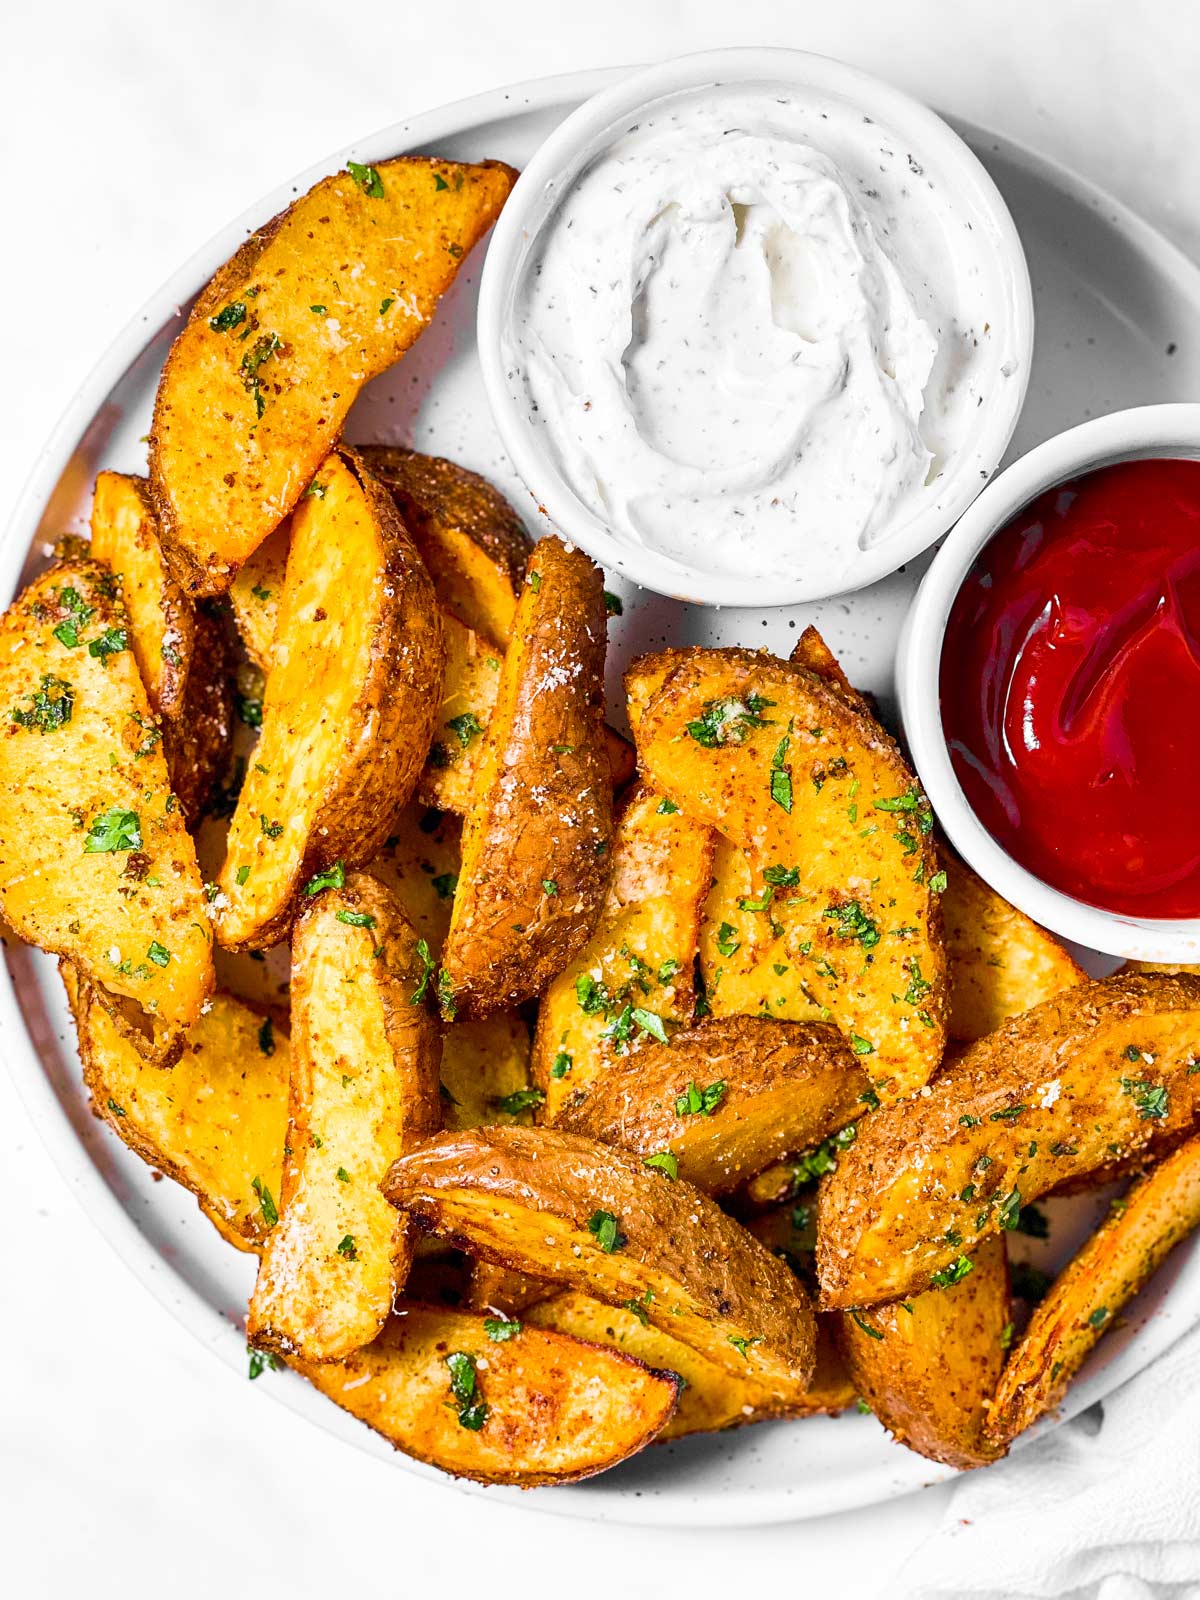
[
  {"x": 811, "y": 651},
  {"x": 278, "y": 346},
  {"x": 95, "y": 861},
  {"x": 419, "y": 862},
  {"x": 348, "y": 709},
  {"x": 364, "y": 1090},
  {"x": 726, "y": 1097},
  {"x": 1000, "y": 962},
  {"x": 475, "y": 545},
  {"x": 125, "y": 539},
  {"x": 537, "y": 842},
  {"x": 199, "y": 742},
  {"x": 598, "y": 1220},
  {"x": 635, "y": 975},
  {"x": 1101, "y": 1072},
  {"x": 744, "y": 963},
  {"x": 927, "y": 1366},
  {"x": 645, "y": 676},
  {"x": 256, "y": 592},
  {"x": 1140, "y": 1231},
  {"x": 215, "y": 1121},
  {"x": 713, "y": 1397},
  {"x": 485, "y": 1072},
  {"x": 838, "y": 831},
  {"x": 534, "y": 1408}
]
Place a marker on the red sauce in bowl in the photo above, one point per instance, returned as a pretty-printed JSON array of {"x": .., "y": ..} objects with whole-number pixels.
[{"x": 1070, "y": 688}]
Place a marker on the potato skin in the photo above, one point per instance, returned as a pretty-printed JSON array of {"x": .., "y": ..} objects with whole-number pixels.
[
  {"x": 858, "y": 904},
  {"x": 364, "y": 1089},
  {"x": 537, "y": 843},
  {"x": 786, "y": 1085},
  {"x": 558, "y": 1409},
  {"x": 927, "y": 1366},
  {"x": 1135, "y": 1238},
  {"x": 198, "y": 743},
  {"x": 348, "y": 708},
  {"x": 1103, "y": 1071},
  {"x": 532, "y": 1199},
  {"x": 241, "y": 424}
]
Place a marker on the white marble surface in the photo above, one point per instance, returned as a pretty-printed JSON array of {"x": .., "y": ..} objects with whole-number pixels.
[{"x": 130, "y": 1462}]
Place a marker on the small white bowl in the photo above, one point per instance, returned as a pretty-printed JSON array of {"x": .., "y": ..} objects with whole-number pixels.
[
  {"x": 1144, "y": 432},
  {"x": 589, "y": 130}
]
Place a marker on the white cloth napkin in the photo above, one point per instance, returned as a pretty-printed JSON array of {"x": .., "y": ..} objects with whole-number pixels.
[{"x": 1106, "y": 1507}]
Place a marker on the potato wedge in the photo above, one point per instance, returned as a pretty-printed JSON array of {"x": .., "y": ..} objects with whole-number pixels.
[
  {"x": 363, "y": 1091},
  {"x": 645, "y": 676},
  {"x": 544, "y": 1408},
  {"x": 713, "y": 1397},
  {"x": 256, "y": 592},
  {"x": 1139, "y": 1233},
  {"x": 125, "y": 539},
  {"x": 475, "y": 545},
  {"x": 726, "y": 1097},
  {"x": 537, "y": 842},
  {"x": 199, "y": 742},
  {"x": 95, "y": 862},
  {"x": 469, "y": 693},
  {"x": 485, "y": 1072},
  {"x": 598, "y": 1220},
  {"x": 215, "y": 1121},
  {"x": 277, "y": 347},
  {"x": 927, "y": 1366},
  {"x": 744, "y": 964},
  {"x": 348, "y": 710},
  {"x": 1000, "y": 962},
  {"x": 1102, "y": 1072},
  {"x": 635, "y": 975},
  {"x": 811, "y": 651},
  {"x": 419, "y": 862},
  {"x": 839, "y": 834}
]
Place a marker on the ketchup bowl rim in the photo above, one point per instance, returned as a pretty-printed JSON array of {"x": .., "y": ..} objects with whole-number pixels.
[
  {"x": 555, "y": 166},
  {"x": 1153, "y": 432}
]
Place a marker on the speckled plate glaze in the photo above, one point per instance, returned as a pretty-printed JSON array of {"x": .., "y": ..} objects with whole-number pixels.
[{"x": 1118, "y": 313}]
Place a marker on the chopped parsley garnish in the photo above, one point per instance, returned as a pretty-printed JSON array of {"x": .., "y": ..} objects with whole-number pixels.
[
  {"x": 727, "y": 940},
  {"x": 472, "y": 1412},
  {"x": 266, "y": 1037},
  {"x": 865, "y": 1327},
  {"x": 356, "y": 919},
  {"x": 937, "y": 884},
  {"x": 729, "y": 721},
  {"x": 535, "y": 581},
  {"x": 333, "y": 877},
  {"x": 667, "y": 808},
  {"x": 607, "y": 1233},
  {"x": 521, "y": 1100},
  {"x": 742, "y": 1344},
  {"x": 500, "y": 1329},
  {"x": 1010, "y": 1210},
  {"x": 110, "y": 643},
  {"x": 229, "y": 317},
  {"x": 347, "y": 1247},
  {"x": 641, "y": 1308},
  {"x": 342, "y": 1175},
  {"x": 445, "y": 884},
  {"x": 782, "y": 877},
  {"x": 694, "y": 1102},
  {"x": 386, "y": 304},
  {"x": 271, "y": 830},
  {"x": 50, "y": 705},
  {"x": 261, "y": 1361},
  {"x": 241, "y": 875},
  {"x": 954, "y": 1273},
  {"x": 853, "y": 923},
  {"x": 748, "y": 903},
  {"x": 1009, "y": 1114},
  {"x": 78, "y": 616},
  {"x": 261, "y": 350},
  {"x": 249, "y": 709},
  {"x": 664, "y": 1161},
  {"x": 117, "y": 1111},
  {"x": 465, "y": 727},
  {"x": 562, "y": 1065},
  {"x": 650, "y": 1022},
  {"x": 427, "y": 964},
  {"x": 822, "y": 1158},
  {"x": 781, "y": 777},
  {"x": 1150, "y": 1098},
  {"x": 1098, "y": 1318},
  {"x": 266, "y": 1202},
  {"x": 159, "y": 954},
  {"x": 113, "y": 830},
  {"x": 549, "y": 887},
  {"x": 1033, "y": 1222},
  {"x": 861, "y": 1046},
  {"x": 367, "y": 179},
  {"x": 612, "y": 604},
  {"x": 445, "y": 994}
]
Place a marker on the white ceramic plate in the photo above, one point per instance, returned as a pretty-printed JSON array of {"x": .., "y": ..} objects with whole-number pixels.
[{"x": 1118, "y": 314}]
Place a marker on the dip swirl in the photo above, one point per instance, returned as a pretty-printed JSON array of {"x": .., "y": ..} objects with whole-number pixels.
[{"x": 740, "y": 331}]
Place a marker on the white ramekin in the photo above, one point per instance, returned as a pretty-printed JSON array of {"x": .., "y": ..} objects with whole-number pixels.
[
  {"x": 557, "y": 164},
  {"x": 1146, "y": 431}
]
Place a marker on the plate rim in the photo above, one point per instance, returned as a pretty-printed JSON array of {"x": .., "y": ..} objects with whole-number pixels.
[{"x": 34, "y": 1086}]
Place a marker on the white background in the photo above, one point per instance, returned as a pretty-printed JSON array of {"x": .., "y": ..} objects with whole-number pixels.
[{"x": 130, "y": 1461}]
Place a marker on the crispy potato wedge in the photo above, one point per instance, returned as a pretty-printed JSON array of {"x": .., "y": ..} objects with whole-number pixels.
[
  {"x": 256, "y": 592},
  {"x": 95, "y": 861},
  {"x": 1140, "y": 1231},
  {"x": 475, "y": 545},
  {"x": 363, "y": 1091},
  {"x": 553, "y": 1409},
  {"x": 811, "y": 651},
  {"x": 744, "y": 964},
  {"x": 1103, "y": 1071},
  {"x": 726, "y": 1097},
  {"x": 640, "y": 959},
  {"x": 125, "y": 539},
  {"x": 258, "y": 384},
  {"x": 537, "y": 842},
  {"x": 713, "y": 1397},
  {"x": 598, "y": 1220},
  {"x": 645, "y": 676},
  {"x": 927, "y": 1366},
  {"x": 199, "y": 742},
  {"x": 1000, "y": 962},
  {"x": 348, "y": 709},
  {"x": 839, "y": 832},
  {"x": 215, "y": 1121},
  {"x": 485, "y": 1071}
]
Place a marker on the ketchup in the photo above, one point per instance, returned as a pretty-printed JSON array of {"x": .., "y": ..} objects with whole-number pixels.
[{"x": 1070, "y": 688}]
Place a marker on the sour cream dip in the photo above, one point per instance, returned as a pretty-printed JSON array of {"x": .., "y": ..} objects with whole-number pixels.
[{"x": 754, "y": 333}]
